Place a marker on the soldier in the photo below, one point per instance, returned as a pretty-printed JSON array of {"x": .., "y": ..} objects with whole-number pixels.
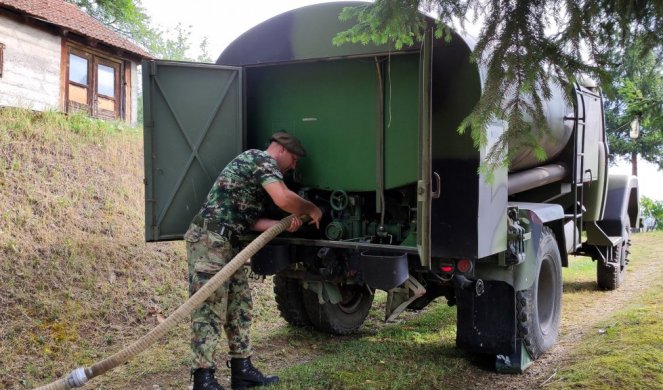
[{"x": 233, "y": 206}]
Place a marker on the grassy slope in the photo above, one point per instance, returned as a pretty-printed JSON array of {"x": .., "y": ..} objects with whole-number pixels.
[{"x": 77, "y": 279}]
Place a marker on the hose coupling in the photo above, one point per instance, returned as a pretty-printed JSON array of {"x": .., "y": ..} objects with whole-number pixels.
[{"x": 77, "y": 378}]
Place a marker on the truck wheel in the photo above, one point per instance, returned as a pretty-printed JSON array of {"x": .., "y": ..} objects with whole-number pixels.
[
  {"x": 610, "y": 276},
  {"x": 538, "y": 308},
  {"x": 344, "y": 317},
  {"x": 289, "y": 300}
]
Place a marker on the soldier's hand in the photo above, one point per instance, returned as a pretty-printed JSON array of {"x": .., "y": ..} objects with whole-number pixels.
[
  {"x": 316, "y": 215},
  {"x": 295, "y": 224}
]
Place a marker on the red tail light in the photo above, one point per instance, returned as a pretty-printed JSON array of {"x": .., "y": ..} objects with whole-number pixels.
[
  {"x": 447, "y": 268},
  {"x": 464, "y": 265}
]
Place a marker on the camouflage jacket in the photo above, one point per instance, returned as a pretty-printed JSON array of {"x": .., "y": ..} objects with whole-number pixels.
[{"x": 237, "y": 196}]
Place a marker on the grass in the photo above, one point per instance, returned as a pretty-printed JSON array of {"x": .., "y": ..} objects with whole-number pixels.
[
  {"x": 419, "y": 353},
  {"x": 626, "y": 350}
]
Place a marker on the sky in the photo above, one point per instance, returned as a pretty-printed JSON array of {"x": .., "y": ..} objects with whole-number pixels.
[
  {"x": 650, "y": 179},
  {"x": 221, "y": 21}
]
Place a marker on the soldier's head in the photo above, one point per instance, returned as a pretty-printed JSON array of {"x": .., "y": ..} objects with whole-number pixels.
[{"x": 286, "y": 150}]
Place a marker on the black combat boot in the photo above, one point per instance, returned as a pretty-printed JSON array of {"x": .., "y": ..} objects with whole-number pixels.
[
  {"x": 203, "y": 379},
  {"x": 244, "y": 375}
]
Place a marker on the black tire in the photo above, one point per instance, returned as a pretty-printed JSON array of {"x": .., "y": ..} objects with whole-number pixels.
[
  {"x": 538, "y": 308},
  {"x": 344, "y": 317},
  {"x": 610, "y": 276},
  {"x": 290, "y": 301}
]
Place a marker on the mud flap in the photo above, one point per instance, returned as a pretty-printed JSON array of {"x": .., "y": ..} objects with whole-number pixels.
[
  {"x": 486, "y": 316},
  {"x": 516, "y": 363}
]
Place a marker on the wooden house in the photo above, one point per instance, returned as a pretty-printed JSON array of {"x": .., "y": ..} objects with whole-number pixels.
[{"x": 53, "y": 56}]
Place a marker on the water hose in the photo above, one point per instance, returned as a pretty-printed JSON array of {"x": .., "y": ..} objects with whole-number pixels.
[{"x": 80, "y": 376}]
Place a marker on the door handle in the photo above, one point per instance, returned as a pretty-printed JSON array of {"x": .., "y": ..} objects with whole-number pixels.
[{"x": 438, "y": 186}]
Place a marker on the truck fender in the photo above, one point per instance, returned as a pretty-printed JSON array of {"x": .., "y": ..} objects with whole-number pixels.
[
  {"x": 621, "y": 206},
  {"x": 533, "y": 216},
  {"x": 543, "y": 214}
]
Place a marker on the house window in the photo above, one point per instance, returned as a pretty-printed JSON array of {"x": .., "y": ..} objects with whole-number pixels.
[
  {"x": 93, "y": 83},
  {"x": 106, "y": 83},
  {"x": 78, "y": 83},
  {"x": 2, "y": 51},
  {"x": 77, "y": 69}
]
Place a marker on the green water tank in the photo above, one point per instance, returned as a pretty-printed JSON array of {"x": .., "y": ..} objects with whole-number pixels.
[{"x": 333, "y": 107}]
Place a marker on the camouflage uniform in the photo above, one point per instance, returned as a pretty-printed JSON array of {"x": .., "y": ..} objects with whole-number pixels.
[{"x": 236, "y": 202}]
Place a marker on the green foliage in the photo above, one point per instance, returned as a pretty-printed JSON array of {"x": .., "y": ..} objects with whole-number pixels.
[
  {"x": 174, "y": 48},
  {"x": 204, "y": 55},
  {"x": 524, "y": 45},
  {"x": 128, "y": 18},
  {"x": 637, "y": 92},
  {"x": 383, "y": 22},
  {"x": 652, "y": 208}
]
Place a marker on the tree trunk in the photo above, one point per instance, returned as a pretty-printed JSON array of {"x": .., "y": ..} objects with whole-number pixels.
[{"x": 634, "y": 163}]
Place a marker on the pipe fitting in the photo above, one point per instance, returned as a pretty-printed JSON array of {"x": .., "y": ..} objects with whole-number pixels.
[{"x": 77, "y": 378}]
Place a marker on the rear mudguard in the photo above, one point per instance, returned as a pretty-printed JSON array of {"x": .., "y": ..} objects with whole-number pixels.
[
  {"x": 486, "y": 315},
  {"x": 622, "y": 210}
]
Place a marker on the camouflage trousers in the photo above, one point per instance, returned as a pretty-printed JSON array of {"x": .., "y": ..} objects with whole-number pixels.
[{"x": 230, "y": 306}]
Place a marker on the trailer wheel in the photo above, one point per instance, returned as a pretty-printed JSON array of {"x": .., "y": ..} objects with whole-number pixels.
[
  {"x": 344, "y": 317},
  {"x": 538, "y": 308},
  {"x": 610, "y": 276},
  {"x": 289, "y": 300}
]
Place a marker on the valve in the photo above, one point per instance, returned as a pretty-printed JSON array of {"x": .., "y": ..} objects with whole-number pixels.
[{"x": 339, "y": 200}]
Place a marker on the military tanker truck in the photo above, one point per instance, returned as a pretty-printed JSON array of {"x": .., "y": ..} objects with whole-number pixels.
[{"x": 407, "y": 209}]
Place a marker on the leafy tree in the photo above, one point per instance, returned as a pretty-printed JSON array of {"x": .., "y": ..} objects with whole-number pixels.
[
  {"x": 654, "y": 209},
  {"x": 128, "y": 18},
  {"x": 637, "y": 93},
  {"x": 204, "y": 55},
  {"x": 174, "y": 48},
  {"x": 523, "y": 44}
]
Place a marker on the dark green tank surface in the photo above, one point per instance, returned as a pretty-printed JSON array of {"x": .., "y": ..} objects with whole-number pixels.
[{"x": 333, "y": 107}]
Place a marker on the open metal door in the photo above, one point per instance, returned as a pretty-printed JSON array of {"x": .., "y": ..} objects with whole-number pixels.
[
  {"x": 193, "y": 128},
  {"x": 424, "y": 194}
]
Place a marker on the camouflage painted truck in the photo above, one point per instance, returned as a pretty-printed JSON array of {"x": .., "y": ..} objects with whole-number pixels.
[{"x": 406, "y": 210}]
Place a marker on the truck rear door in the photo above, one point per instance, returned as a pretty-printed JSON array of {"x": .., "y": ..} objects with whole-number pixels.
[
  {"x": 424, "y": 194},
  {"x": 193, "y": 126}
]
